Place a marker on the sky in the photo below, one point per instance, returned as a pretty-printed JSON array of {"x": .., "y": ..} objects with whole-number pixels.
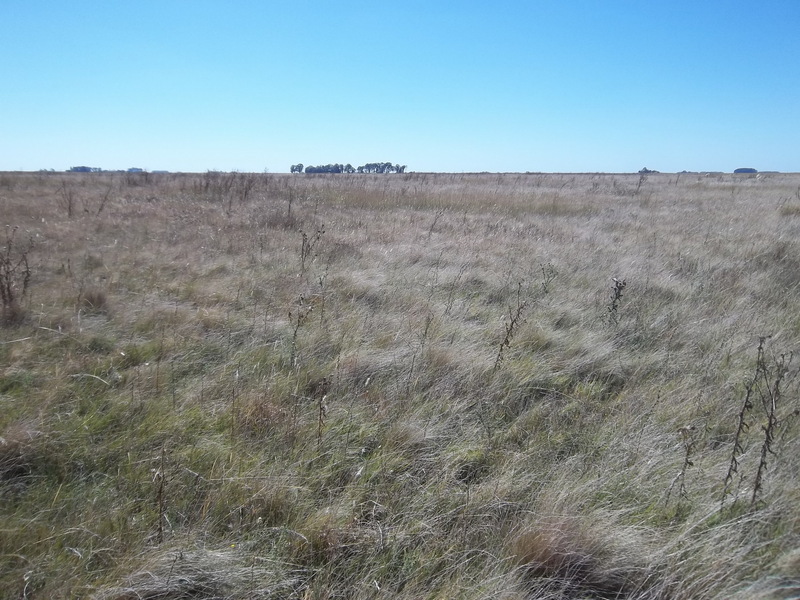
[{"x": 447, "y": 86}]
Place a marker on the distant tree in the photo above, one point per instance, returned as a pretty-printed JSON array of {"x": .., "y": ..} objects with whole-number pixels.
[{"x": 376, "y": 167}]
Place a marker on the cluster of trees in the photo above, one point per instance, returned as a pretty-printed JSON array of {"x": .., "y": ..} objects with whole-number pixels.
[
  {"x": 99, "y": 170},
  {"x": 381, "y": 167}
]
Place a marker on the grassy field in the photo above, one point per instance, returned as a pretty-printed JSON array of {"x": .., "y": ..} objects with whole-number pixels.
[{"x": 402, "y": 386}]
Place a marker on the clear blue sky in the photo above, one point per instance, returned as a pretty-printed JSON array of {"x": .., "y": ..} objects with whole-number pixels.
[{"x": 590, "y": 85}]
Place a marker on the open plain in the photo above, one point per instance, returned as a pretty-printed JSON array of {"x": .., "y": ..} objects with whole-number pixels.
[{"x": 511, "y": 386}]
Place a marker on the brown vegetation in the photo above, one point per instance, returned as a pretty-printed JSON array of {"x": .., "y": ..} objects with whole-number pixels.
[{"x": 441, "y": 386}]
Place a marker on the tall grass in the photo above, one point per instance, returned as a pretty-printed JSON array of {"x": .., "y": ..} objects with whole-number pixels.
[{"x": 438, "y": 394}]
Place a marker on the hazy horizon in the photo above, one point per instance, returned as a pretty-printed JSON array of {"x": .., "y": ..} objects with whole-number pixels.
[{"x": 408, "y": 172}]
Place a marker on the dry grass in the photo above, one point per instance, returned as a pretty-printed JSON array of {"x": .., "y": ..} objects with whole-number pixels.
[{"x": 418, "y": 385}]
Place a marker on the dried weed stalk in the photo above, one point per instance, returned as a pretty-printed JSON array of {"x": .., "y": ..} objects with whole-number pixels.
[
  {"x": 15, "y": 276},
  {"x": 548, "y": 275},
  {"x": 515, "y": 318},
  {"x": 688, "y": 445},
  {"x": 770, "y": 398},
  {"x": 67, "y": 199},
  {"x": 767, "y": 385},
  {"x": 307, "y": 247},
  {"x": 614, "y": 301},
  {"x": 742, "y": 423},
  {"x": 159, "y": 479},
  {"x": 297, "y": 319}
]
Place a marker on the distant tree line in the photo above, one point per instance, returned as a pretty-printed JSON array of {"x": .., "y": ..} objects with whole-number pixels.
[
  {"x": 379, "y": 167},
  {"x": 99, "y": 170}
]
